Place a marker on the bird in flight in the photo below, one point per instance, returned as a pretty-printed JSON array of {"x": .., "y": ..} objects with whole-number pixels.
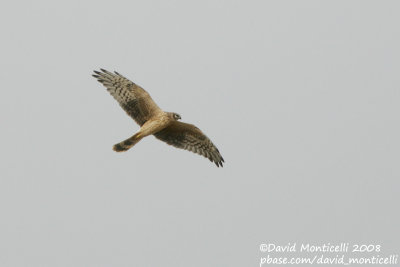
[{"x": 152, "y": 120}]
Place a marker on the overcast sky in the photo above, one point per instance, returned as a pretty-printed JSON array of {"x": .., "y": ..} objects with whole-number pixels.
[{"x": 301, "y": 98}]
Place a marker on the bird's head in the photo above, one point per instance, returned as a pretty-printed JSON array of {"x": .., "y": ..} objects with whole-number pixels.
[{"x": 175, "y": 116}]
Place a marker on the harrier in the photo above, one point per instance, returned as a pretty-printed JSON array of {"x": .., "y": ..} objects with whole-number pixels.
[{"x": 153, "y": 120}]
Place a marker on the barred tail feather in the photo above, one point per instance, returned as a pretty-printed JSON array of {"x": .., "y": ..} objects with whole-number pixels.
[{"x": 128, "y": 143}]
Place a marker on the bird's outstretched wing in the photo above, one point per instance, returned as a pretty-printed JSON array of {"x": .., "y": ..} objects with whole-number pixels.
[
  {"x": 132, "y": 98},
  {"x": 189, "y": 137}
]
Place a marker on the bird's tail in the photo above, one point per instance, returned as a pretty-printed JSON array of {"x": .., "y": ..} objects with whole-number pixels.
[{"x": 128, "y": 143}]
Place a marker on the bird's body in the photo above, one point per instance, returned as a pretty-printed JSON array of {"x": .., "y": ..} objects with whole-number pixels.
[
  {"x": 154, "y": 121},
  {"x": 152, "y": 126},
  {"x": 156, "y": 124}
]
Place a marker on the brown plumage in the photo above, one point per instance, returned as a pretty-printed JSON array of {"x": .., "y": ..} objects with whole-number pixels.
[{"x": 165, "y": 126}]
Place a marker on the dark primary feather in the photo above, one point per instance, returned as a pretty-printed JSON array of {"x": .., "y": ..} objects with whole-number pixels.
[
  {"x": 187, "y": 136},
  {"x": 131, "y": 97}
]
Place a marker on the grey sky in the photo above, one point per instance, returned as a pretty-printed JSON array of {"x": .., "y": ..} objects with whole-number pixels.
[{"x": 301, "y": 98}]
